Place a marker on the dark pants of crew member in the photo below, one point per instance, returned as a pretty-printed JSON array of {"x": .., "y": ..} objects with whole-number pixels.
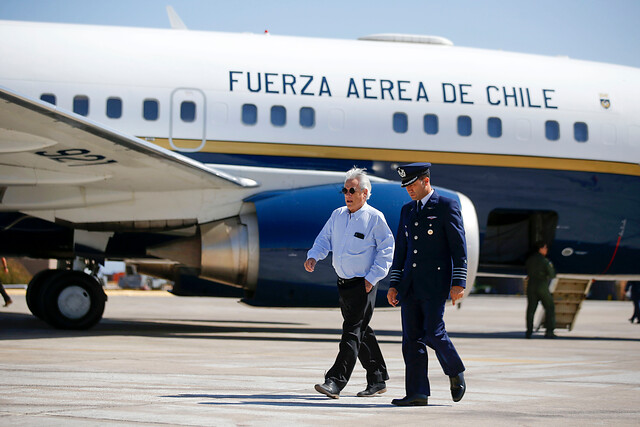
[
  {"x": 4, "y": 293},
  {"x": 540, "y": 293},
  {"x": 358, "y": 339},
  {"x": 636, "y": 309},
  {"x": 422, "y": 326}
]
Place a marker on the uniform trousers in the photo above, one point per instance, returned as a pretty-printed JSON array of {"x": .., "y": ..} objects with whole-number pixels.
[
  {"x": 358, "y": 339},
  {"x": 422, "y": 326},
  {"x": 539, "y": 292}
]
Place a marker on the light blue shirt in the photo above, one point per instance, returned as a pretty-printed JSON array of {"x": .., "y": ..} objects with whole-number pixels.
[{"x": 369, "y": 257}]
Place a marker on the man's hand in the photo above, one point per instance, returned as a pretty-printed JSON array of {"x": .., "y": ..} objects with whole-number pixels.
[
  {"x": 392, "y": 296},
  {"x": 310, "y": 265},
  {"x": 457, "y": 292},
  {"x": 367, "y": 286}
]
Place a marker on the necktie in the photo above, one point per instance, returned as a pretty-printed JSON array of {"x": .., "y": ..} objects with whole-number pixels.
[{"x": 419, "y": 205}]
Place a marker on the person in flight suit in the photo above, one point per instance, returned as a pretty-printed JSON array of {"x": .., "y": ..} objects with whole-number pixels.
[
  {"x": 540, "y": 272},
  {"x": 362, "y": 246},
  {"x": 429, "y": 263}
]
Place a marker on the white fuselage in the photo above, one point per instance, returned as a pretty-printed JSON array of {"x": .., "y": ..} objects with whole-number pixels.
[{"x": 353, "y": 87}]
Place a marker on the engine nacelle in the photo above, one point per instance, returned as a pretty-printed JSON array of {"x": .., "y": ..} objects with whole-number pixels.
[{"x": 263, "y": 249}]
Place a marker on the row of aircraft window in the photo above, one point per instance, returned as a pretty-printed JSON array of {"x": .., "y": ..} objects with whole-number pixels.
[{"x": 307, "y": 117}]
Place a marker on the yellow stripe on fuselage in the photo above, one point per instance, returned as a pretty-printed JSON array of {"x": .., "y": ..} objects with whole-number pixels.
[{"x": 404, "y": 156}]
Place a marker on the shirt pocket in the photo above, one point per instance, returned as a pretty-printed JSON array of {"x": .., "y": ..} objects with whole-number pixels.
[{"x": 356, "y": 246}]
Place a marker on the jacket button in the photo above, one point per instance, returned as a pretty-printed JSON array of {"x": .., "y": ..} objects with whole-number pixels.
[
  {"x": 415, "y": 251},
  {"x": 414, "y": 264},
  {"x": 438, "y": 268},
  {"x": 416, "y": 223},
  {"x": 415, "y": 237}
]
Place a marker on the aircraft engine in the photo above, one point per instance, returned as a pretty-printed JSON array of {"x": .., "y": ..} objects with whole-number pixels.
[{"x": 263, "y": 250}]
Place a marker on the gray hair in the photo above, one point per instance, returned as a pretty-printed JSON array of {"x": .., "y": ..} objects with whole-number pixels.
[{"x": 361, "y": 176}]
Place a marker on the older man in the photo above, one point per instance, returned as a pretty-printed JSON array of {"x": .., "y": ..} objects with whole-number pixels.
[
  {"x": 362, "y": 246},
  {"x": 430, "y": 263}
]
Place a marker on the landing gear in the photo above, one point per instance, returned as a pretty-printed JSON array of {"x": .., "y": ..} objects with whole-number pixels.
[{"x": 66, "y": 299}]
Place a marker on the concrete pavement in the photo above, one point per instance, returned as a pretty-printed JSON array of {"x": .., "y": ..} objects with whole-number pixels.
[{"x": 156, "y": 359}]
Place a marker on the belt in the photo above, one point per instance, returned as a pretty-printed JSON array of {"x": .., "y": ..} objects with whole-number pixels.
[{"x": 349, "y": 283}]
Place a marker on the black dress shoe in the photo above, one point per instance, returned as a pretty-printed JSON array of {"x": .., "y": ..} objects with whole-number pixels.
[
  {"x": 414, "y": 400},
  {"x": 458, "y": 387},
  {"x": 329, "y": 388},
  {"x": 528, "y": 334},
  {"x": 550, "y": 335},
  {"x": 372, "y": 390}
]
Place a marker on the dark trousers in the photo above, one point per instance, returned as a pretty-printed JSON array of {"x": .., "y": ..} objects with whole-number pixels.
[
  {"x": 358, "y": 339},
  {"x": 4, "y": 293},
  {"x": 636, "y": 310},
  {"x": 535, "y": 294},
  {"x": 422, "y": 326}
]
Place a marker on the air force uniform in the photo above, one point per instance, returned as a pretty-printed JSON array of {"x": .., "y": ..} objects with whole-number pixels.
[{"x": 430, "y": 257}]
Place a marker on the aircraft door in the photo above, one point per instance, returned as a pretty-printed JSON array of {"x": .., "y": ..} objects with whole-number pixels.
[
  {"x": 187, "y": 128},
  {"x": 511, "y": 235}
]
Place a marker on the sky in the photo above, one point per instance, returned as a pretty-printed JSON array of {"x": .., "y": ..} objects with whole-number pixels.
[{"x": 595, "y": 30}]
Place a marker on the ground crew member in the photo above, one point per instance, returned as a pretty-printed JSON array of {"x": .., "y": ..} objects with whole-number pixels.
[{"x": 540, "y": 272}]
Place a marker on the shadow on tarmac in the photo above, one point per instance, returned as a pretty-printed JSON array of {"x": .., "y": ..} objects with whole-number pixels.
[
  {"x": 294, "y": 400},
  {"x": 18, "y": 326}
]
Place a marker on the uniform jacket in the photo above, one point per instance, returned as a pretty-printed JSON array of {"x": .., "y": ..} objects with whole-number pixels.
[
  {"x": 540, "y": 271},
  {"x": 431, "y": 250}
]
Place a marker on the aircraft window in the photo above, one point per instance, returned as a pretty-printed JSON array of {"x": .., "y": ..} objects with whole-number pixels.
[
  {"x": 494, "y": 127},
  {"x": 278, "y": 115},
  {"x": 430, "y": 123},
  {"x": 307, "y": 117},
  {"x": 150, "y": 109},
  {"x": 249, "y": 114},
  {"x": 552, "y": 130},
  {"x": 464, "y": 125},
  {"x": 580, "y": 132},
  {"x": 81, "y": 105},
  {"x": 114, "y": 108},
  {"x": 400, "y": 122},
  {"x": 188, "y": 111},
  {"x": 48, "y": 97}
]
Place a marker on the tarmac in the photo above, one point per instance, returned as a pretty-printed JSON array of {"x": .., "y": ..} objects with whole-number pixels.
[{"x": 156, "y": 359}]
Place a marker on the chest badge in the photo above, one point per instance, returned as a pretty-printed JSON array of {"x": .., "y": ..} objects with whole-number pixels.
[{"x": 430, "y": 232}]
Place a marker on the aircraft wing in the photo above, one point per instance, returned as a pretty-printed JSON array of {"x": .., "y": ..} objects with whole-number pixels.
[{"x": 58, "y": 165}]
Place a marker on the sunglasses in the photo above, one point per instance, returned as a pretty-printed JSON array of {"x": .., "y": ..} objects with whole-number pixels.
[{"x": 348, "y": 190}]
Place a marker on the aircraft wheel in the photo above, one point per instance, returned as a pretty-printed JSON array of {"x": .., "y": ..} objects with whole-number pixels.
[
  {"x": 35, "y": 291},
  {"x": 73, "y": 300}
]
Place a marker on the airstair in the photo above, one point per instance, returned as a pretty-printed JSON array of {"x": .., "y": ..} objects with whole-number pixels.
[{"x": 568, "y": 293}]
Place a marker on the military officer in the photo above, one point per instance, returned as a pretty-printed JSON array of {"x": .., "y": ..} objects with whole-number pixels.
[{"x": 429, "y": 263}]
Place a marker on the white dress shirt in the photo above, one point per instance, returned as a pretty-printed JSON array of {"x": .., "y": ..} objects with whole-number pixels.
[
  {"x": 425, "y": 199},
  {"x": 361, "y": 242}
]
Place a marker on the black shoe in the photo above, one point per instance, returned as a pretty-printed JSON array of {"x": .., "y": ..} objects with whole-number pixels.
[
  {"x": 458, "y": 387},
  {"x": 550, "y": 335},
  {"x": 415, "y": 400},
  {"x": 372, "y": 390},
  {"x": 528, "y": 334},
  {"x": 329, "y": 388}
]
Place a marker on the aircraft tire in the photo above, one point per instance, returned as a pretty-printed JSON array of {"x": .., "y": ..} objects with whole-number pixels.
[
  {"x": 73, "y": 300},
  {"x": 35, "y": 291}
]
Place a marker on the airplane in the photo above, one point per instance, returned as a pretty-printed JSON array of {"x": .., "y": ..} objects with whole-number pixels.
[{"x": 220, "y": 155}]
